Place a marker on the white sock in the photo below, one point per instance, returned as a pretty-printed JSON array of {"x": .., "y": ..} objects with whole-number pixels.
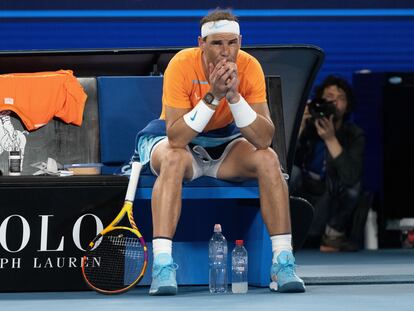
[
  {"x": 161, "y": 245},
  {"x": 282, "y": 242}
]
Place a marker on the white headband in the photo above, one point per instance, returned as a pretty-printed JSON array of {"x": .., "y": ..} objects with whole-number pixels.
[{"x": 220, "y": 26}]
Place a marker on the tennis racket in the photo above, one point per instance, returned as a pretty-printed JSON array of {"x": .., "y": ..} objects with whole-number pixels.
[{"x": 117, "y": 257}]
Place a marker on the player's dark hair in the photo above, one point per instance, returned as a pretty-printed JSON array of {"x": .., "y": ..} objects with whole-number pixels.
[{"x": 218, "y": 14}]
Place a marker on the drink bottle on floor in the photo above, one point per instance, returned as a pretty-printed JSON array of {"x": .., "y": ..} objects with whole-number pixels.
[
  {"x": 239, "y": 268},
  {"x": 217, "y": 250}
]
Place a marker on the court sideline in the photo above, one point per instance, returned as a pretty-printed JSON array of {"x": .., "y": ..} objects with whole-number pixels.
[{"x": 366, "y": 280}]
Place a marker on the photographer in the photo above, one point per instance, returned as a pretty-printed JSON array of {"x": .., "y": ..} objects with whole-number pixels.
[{"x": 328, "y": 164}]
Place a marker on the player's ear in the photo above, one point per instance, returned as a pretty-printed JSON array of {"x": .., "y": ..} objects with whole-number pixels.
[{"x": 201, "y": 42}]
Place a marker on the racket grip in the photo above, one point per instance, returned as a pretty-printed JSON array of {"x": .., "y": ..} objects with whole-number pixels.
[{"x": 133, "y": 181}]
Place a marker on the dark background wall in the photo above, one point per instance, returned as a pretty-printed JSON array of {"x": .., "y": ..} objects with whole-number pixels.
[{"x": 374, "y": 35}]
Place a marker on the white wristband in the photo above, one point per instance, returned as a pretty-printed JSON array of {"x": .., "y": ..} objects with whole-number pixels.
[
  {"x": 199, "y": 116},
  {"x": 243, "y": 114}
]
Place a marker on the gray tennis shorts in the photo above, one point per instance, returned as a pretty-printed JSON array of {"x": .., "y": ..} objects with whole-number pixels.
[{"x": 203, "y": 164}]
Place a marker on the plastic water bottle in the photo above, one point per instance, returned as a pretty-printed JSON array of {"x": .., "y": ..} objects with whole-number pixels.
[
  {"x": 371, "y": 231},
  {"x": 239, "y": 268},
  {"x": 217, "y": 251},
  {"x": 15, "y": 163}
]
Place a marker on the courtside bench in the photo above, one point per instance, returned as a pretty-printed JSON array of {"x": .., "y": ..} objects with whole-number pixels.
[{"x": 126, "y": 93}]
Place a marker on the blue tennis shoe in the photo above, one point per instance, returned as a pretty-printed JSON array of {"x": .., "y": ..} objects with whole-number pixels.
[
  {"x": 163, "y": 275},
  {"x": 283, "y": 275}
]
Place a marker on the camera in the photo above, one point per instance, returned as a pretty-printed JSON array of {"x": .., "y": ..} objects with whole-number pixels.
[{"x": 321, "y": 108}]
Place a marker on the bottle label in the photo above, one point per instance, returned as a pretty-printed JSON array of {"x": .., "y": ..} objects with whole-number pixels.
[
  {"x": 239, "y": 264},
  {"x": 14, "y": 165}
]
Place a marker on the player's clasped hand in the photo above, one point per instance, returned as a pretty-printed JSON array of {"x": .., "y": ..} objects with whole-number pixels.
[
  {"x": 223, "y": 77},
  {"x": 233, "y": 85}
]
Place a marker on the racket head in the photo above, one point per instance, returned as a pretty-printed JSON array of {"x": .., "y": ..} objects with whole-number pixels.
[{"x": 115, "y": 261}]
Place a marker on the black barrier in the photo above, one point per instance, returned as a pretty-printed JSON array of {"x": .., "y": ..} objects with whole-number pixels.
[{"x": 46, "y": 223}]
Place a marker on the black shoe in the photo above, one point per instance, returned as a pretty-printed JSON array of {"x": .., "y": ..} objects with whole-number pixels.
[{"x": 337, "y": 244}]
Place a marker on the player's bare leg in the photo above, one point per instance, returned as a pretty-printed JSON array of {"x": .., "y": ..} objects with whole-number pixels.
[
  {"x": 245, "y": 160},
  {"x": 173, "y": 165}
]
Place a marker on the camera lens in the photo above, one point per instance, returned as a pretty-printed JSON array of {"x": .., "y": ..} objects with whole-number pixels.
[{"x": 321, "y": 108}]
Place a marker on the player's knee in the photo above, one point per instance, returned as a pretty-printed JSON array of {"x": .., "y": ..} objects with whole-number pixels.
[
  {"x": 266, "y": 159},
  {"x": 175, "y": 160}
]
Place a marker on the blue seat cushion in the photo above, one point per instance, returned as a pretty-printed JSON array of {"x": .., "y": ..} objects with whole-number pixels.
[
  {"x": 204, "y": 188},
  {"x": 147, "y": 181}
]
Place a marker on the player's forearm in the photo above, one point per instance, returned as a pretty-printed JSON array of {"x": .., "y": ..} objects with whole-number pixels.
[
  {"x": 255, "y": 126},
  {"x": 187, "y": 126},
  {"x": 180, "y": 134},
  {"x": 259, "y": 133}
]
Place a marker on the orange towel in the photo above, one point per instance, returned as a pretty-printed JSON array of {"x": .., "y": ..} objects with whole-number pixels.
[{"x": 38, "y": 97}]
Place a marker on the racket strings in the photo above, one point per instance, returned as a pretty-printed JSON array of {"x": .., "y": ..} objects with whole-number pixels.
[{"x": 115, "y": 262}]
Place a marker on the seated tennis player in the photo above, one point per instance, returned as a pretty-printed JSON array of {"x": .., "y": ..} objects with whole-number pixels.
[{"x": 214, "y": 99}]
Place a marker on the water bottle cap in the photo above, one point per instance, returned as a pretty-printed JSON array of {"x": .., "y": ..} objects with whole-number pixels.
[
  {"x": 217, "y": 228},
  {"x": 239, "y": 242}
]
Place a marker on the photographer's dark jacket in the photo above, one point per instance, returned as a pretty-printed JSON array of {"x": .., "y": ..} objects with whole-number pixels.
[{"x": 347, "y": 167}]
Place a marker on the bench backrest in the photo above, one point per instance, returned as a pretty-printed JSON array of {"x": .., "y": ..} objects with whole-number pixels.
[{"x": 126, "y": 105}]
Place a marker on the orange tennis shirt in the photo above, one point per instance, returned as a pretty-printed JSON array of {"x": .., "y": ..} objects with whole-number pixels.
[
  {"x": 38, "y": 97},
  {"x": 185, "y": 84}
]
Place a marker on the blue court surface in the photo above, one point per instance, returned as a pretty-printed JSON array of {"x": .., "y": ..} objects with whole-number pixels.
[{"x": 366, "y": 280}]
